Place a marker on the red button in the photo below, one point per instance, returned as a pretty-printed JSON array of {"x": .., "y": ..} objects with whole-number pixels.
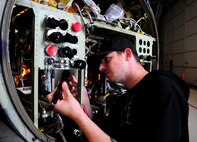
[
  {"x": 77, "y": 27},
  {"x": 51, "y": 50}
]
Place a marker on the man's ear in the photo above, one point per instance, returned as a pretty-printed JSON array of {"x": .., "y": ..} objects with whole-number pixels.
[{"x": 128, "y": 53}]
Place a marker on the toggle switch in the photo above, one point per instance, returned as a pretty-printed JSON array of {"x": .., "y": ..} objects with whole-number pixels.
[
  {"x": 54, "y": 36},
  {"x": 63, "y": 24},
  {"x": 52, "y": 22},
  {"x": 80, "y": 64},
  {"x": 70, "y": 38},
  {"x": 66, "y": 52}
]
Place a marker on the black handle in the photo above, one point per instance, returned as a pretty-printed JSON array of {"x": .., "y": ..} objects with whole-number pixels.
[{"x": 57, "y": 95}]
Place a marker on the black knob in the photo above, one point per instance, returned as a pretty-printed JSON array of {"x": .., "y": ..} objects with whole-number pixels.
[
  {"x": 66, "y": 52},
  {"x": 51, "y": 22},
  {"x": 75, "y": 51},
  {"x": 80, "y": 64},
  {"x": 70, "y": 38},
  {"x": 141, "y": 57},
  {"x": 54, "y": 36},
  {"x": 50, "y": 61},
  {"x": 63, "y": 24},
  {"x": 148, "y": 58}
]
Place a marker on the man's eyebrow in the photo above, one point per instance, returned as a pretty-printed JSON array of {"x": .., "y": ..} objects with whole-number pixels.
[{"x": 107, "y": 57}]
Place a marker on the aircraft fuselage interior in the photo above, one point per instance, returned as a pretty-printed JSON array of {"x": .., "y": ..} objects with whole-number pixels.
[{"x": 42, "y": 40}]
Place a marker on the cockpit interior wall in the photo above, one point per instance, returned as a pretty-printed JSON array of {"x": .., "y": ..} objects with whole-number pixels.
[{"x": 42, "y": 41}]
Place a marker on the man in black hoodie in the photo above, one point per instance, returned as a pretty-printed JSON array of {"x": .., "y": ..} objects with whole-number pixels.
[{"x": 154, "y": 109}]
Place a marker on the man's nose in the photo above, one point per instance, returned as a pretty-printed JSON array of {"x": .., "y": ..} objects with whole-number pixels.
[{"x": 101, "y": 67}]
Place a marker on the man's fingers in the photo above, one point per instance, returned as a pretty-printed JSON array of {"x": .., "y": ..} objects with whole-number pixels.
[
  {"x": 50, "y": 96},
  {"x": 73, "y": 79},
  {"x": 65, "y": 88}
]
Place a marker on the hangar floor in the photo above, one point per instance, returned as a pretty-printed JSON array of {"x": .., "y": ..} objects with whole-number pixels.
[{"x": 193, "y": 115}]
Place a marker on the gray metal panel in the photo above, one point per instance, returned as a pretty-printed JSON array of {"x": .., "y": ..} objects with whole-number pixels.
[{"x": 41, "y": 12}]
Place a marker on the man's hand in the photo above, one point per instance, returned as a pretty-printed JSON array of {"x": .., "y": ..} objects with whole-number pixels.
[{"x": 68, "y": 105}]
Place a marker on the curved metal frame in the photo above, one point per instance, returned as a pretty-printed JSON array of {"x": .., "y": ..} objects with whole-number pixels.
[
  {"x": 146, "y": 5},
  {"x": 9, "y": 100}
]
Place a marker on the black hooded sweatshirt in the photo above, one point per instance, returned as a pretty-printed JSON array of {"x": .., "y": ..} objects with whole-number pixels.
[{"x": 155, "y": 110}]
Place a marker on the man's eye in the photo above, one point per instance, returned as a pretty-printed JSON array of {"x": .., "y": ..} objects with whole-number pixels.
[{"x": 107, "y": 59}]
